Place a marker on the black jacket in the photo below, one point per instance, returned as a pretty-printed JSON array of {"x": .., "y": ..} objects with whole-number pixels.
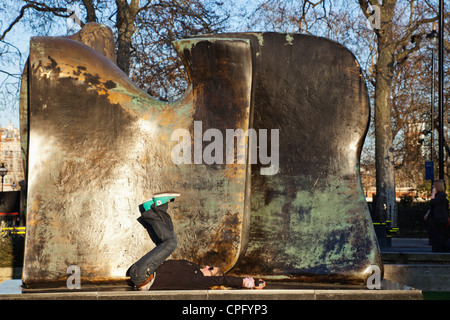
[
  {"x": 186, "y": 275},
  {"x": 439, "y": 208}
]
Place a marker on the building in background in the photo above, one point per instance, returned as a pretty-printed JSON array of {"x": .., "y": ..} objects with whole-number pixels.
[{"x": 10, "y": 155}]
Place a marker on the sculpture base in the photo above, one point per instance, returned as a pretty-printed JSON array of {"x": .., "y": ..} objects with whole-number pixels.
[{"x": 273, "y": 291}]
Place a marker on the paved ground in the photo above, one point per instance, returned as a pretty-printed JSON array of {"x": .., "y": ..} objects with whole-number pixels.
[
  {"x": 408, "y": 245},
  {"x": 11, "y": 289}
]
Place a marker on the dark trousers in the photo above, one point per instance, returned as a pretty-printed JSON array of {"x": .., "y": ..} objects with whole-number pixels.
[
  {"x": 160, "y": 227},
  {"x": 439, "y": 237}
]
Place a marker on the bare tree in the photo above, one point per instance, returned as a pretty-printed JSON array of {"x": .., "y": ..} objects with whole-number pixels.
[
  {"x": 157, "y": 68},
  {"x": 400, "y": 34},
  {"x": 144, "y": 31},
  {"x": 400, "y": 27}
]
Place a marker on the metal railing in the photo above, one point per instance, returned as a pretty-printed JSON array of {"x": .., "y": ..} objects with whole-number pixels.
[{"x": 14, "y": 230}]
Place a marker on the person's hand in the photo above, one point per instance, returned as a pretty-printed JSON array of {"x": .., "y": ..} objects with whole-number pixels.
[{"x": 248, "y": 282}]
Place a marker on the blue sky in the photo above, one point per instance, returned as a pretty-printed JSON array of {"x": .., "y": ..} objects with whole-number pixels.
[{"x": 19, "y": 37}]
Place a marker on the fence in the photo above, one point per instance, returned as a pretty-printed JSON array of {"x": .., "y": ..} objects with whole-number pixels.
[
  {"x": 411, "y": 221},
  {"x": 13, "y": 230},
  {"x": 11, "y": 219}
]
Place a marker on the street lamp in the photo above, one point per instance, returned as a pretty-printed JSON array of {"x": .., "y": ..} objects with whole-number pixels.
[
  {"x": 3, "y": 172},
  {"x": 441, "y": 89},
  {"x": 432, "y": 44}
]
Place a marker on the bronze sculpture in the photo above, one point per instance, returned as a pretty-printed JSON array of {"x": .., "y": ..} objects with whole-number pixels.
[{"x": 98, "y": 146}]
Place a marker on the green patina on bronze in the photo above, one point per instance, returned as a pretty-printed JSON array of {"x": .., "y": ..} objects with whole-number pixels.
[{"x": 310, "y": 221}]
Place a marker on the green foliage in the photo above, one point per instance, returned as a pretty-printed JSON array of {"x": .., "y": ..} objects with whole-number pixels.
[
  {"x": 6, "y": 252},
  {"x": 11, "y": 250}
]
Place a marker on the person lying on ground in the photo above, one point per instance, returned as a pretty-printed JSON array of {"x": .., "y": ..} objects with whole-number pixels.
[{"x": 153, "y": 272}]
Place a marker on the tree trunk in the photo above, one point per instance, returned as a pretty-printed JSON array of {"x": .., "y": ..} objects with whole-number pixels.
[
  {"x": 90, "y": 10},
  {"x": 126, "y": 16},
  {"x": 384, "y": 155}
]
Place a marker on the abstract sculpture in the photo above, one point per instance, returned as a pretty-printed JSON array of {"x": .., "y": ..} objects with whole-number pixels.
[{"x": 278, "y": 197}]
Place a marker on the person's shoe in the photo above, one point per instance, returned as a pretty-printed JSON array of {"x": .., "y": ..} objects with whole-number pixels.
[
  {"x": 160, "y": 198},
  {"x": 145, "y": 286},
  {"x": 147, "y": 205}
]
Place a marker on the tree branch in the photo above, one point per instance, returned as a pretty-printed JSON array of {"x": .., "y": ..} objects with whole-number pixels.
[
  {"x": 14, "y": 75},
  {"x": 38, "y": 7},
  {"x": 364, "y": 5}
]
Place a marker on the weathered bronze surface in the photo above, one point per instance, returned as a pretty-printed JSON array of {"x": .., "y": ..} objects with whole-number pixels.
[
  {"x": 99, "y": 146},
  {"x": 310, "y": 221}
]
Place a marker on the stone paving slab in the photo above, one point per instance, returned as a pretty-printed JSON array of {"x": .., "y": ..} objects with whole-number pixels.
[
  {"x": 11, "y": 290},
  {"x": 426, "y": 277}
]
